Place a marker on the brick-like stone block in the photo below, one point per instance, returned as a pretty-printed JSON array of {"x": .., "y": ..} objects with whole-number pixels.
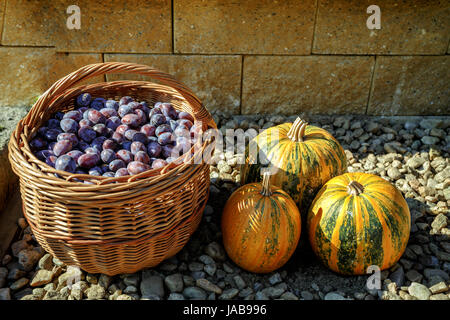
[
  {"x": 407, "y": 27},
  {"x": 311, "y": 85},
  {"x": 24, "y": 75},
  {"x": 33, "y": 23},
  {"x": 2, "y": 11},
  {"x": 214, "y": 79},
  {"x": 415, "y": 85},
  {"x": 28, "y": 72},
  {"x": 252, "y": 27},
  {"x": 106, "y": 25},
  {"x": 120, "y": 26},
  {"x": 64, "y": 63}
]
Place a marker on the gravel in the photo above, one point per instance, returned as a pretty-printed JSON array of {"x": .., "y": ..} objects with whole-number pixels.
[
  {"x": 41, "y": 277},
  {"x": 152, "y": 285},
  {"x": 306, "y": 295},
  {"x": 19, "y": 284},
  {"x": 275, "y": 278},
  {"x": 3, "y": 275},
  {"x": 208, "y": 286},
  {"x": 175, "y": 296},
  {"x": 229, "y": 294},
  {"x": 410, "y": 152},
  {"x": 131, "y": 280},
  {"x": 194, "y": 293},
  {"x": 174, "y": 282},
  {"x": 398, "y": 276},
  {"x": 419, "y": 291},
  {"x": 46, "y": 262},
  {"x": 440, "y": 287},
  {"x": 334, "y": 296},
  {"x": 104, "y": 281},
  {"x": 5, "y": 294},
  {"x": 95, "y": 292}
]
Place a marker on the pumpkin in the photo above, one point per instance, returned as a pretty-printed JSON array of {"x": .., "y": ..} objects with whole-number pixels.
[
  {"x": 260, "y": 227},
  {"x": 303, "y": 158},
  {"x": 358, "y": 220}
]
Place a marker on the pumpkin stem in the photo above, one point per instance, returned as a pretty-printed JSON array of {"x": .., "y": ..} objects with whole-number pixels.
[
  {"x": 266, "y": 184},
  {"x": 355, "y": 188},
  {"x": 297, "y": 130}
]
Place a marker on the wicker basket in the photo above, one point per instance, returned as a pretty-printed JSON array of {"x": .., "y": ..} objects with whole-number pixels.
[{"x": 106, "y": 227}]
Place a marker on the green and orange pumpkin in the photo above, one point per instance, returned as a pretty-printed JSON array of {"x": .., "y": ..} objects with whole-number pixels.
[
  {"x": 358, "y": 220},
  {"x": 303, "y": 158},
  {"x": 260, "y": 227}
]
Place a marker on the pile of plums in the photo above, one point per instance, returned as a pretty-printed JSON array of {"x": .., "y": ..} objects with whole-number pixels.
[{"x": 114, "y": 138}]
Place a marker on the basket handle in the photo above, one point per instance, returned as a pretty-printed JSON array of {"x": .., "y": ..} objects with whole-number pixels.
[{"x": 98, "y": 69}]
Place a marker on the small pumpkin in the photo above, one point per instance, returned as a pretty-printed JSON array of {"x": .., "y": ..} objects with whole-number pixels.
[
  {"x": 358, "y": 220},
  {"x": 304, "y": 158},
  {"x": 260, "y": 227}
]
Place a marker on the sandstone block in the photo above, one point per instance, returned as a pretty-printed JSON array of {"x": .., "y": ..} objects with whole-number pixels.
[
  {"x": 258, "y": 27},
  {"x": 311, "y": 84},
  {"x": 413, "y": 85},
  {"x": 407, "y": 27},
  {"x": 214, "y": 79}
]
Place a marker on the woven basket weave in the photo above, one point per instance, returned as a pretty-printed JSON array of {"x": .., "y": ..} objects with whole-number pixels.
[{"x": 106, "y": 227}]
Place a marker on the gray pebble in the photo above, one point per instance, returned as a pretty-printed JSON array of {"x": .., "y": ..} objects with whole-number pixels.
[
  {"x": 229, "y": 294},
  {"x": 275, "y": 278},
  {"x": 239, "y": 282},
  {"x": 151, "y": 285},
  {"x": 174, "y": 282},
  {"x": 175, "y": 296},
  {"x": 306, "y": 295},
  {"x": 194, "y": 293},
  {"x": 210, "y": 269},
  {"x": 5, "y": 294},
  {"x": 195, "y": 266},
  {"x": 215, "y": 251},
  {"x": 398, "y": 276},
  {"x": 333, "y": 296},
  {"x": 205, "y": 259},
  {"x": 3, "y": 276},
  {"x": 208, "y": 286}
]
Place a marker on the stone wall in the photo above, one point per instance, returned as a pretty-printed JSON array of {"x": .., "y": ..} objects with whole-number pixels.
[{"x": 243, "y": 57}]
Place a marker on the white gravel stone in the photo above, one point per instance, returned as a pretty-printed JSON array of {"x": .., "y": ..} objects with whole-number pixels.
[{"x": 419, "y": 291}]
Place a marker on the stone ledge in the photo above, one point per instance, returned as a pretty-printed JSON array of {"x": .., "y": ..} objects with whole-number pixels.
[{"x": 9, "y": 116}]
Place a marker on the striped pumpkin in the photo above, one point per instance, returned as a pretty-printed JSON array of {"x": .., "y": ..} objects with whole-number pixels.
[
  {"x": 260, "y": 227},
  {"x": 358, "y": 220},
  {"x": 302, "y": 156}
]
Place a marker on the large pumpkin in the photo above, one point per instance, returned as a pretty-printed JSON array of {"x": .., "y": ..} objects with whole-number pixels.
[
  {"x": 303, "y": 158},
  {"x": 260, "y": 227},
  {"x": 358, "y": 220}
]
